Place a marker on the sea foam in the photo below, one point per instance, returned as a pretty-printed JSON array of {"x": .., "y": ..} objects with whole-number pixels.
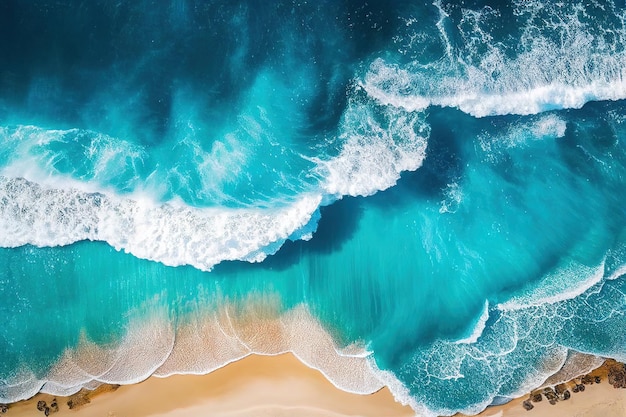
[
  {"x": 44, "y": 206},
  {"x": 556, "y": 286},
  {"x": 562, "y": 59},
  {"x": 205, "y": 342},
  {"x": 378, "y": 145},
  {"x": 170, "y": 233}
]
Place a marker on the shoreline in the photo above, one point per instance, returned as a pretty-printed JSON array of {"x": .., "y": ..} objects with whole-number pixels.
[
  {"x": 601, "y": 392},
  {"x": 256, "y": 385},
  {"x": 283, "y": 385},
  {"x": 261, "y": 361},
  {"x": 249, "y": 360}
]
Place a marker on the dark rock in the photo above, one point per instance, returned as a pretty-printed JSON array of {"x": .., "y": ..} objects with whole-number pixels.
[
  {"x": 552, "y": 402},
  {"x": 560, "y": 389},
  {"x": 617, "y": 377},
  {"x": 575, "y": 388},
  {"x": 537, "y": 397},
  {"x": 581, "y": 387},
  {"x": 54, "y": 406},
  {"x": 597, "y": 379},
  {"x": 550, "y": 394},
  {"x": 587, "y": 380},
  {"x": 41, "y": 405},
  {"x": 566, "y": 395},
  {"x": 46, "y": 411},
  {"x": 4, "y": 408},
  {"x": 527, "y": 405}
]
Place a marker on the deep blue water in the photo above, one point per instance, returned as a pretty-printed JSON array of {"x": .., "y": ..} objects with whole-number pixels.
[{"x": 441, "y": 183}]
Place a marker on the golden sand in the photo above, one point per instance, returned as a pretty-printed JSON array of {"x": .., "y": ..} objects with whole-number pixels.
[
  {"x": 254, "y": 386},
  {"x": 281, "y": 385},
  {"x": 597, "y": 399},
  {"x": 277, "y": 384}
]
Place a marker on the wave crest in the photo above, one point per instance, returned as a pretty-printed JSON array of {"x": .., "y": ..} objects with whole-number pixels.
[
  {"x": 562, "y": 58},
  {"x": 169, "y": 233}
]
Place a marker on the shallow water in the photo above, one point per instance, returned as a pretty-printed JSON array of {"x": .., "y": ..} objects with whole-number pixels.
[{"x": 439, "y": 185}]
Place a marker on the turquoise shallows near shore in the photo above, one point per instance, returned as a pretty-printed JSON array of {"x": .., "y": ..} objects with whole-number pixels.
[{"x": 435, "y": 190}]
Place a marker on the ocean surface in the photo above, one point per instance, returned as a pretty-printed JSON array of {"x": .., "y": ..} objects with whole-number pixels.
[{"x": 434, "y": 189}]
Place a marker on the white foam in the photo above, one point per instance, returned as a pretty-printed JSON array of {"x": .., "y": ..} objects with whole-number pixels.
[
  {"x": 52, "y": 208},
  {"x": 170, "y": 233},
  {"x": 20, "y": 386},
  {"x": 563, "y": 59},
  {"x": 556, "y": 286},
  {"x": 205, "y": 342},
  {"x": 544, "y": 127},
  {"x": 550, "y": 126},
  {"x": 470, "y": 97},
  {"x": 619, "y": 272},
  {"x": 376, "y": 149},
  {"x": 453, "y": 195},
  {"x": 43, "y": 206}
]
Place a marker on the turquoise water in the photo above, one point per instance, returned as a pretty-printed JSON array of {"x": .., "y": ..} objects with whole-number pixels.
[{"x": 441, "y": 183}]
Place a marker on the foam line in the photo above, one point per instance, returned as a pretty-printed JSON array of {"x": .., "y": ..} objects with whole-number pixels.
[
  {"x": 550, "y": 291},
  {"x": 170, "y": 233},
  {"x": 475, "y": 101},
  {"x": 561, "y": 58},
  {"x": 203, "y": 344},
  {"x": 42, "y": 206},
  {"x": 379, "y": 144}
]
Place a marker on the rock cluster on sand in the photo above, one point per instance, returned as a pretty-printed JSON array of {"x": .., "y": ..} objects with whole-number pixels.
[
  {"x": 551, "y": 395},
  {"x": 615, "y": 371},
  {"x": 43, "y": 406}
]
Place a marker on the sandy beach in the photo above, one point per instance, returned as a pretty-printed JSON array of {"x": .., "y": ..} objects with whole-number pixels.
[
  {"x": 281, "y": 385},
  {"x": 596, "y": 400},
  {"x": 254, "y": 386}
]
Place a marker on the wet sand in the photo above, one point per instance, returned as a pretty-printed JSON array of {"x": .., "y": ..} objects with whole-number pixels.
[
  {"x": 254, "y": 386},
  {"x": 276, "y": 386}
]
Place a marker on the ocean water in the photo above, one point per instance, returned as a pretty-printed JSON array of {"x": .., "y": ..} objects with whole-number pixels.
[{"x": 424, "y": 195}]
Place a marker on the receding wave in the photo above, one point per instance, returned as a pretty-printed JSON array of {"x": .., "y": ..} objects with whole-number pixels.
[{"x": 204, "y": 343}]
